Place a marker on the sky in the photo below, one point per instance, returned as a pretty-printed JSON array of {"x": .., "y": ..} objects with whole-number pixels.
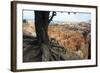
[{"x": 61, "y": 16}]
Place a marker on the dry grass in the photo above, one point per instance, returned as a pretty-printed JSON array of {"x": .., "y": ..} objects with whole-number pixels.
[
  {"x": 71, "y": 37},
  {"x": 29, "y": 29}
]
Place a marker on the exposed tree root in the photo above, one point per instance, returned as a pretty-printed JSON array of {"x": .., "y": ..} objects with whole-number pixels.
[{"x": 33, "y": 52}]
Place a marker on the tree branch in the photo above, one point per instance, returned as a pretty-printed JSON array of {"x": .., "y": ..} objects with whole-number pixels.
[{"x": 53, "y": 14}]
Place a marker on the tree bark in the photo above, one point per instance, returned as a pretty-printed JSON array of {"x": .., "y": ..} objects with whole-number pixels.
[
  {"x": 42, "y": 21},
  {"x": 41, "y": 25}
]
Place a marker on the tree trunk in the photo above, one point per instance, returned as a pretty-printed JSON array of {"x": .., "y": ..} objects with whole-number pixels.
[
  {"x": 49, "y": 53},
  {"x": 41, "y": 25}
]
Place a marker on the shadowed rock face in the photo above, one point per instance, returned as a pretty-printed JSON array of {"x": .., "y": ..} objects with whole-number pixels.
[{"x": 69, "y": 42}]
